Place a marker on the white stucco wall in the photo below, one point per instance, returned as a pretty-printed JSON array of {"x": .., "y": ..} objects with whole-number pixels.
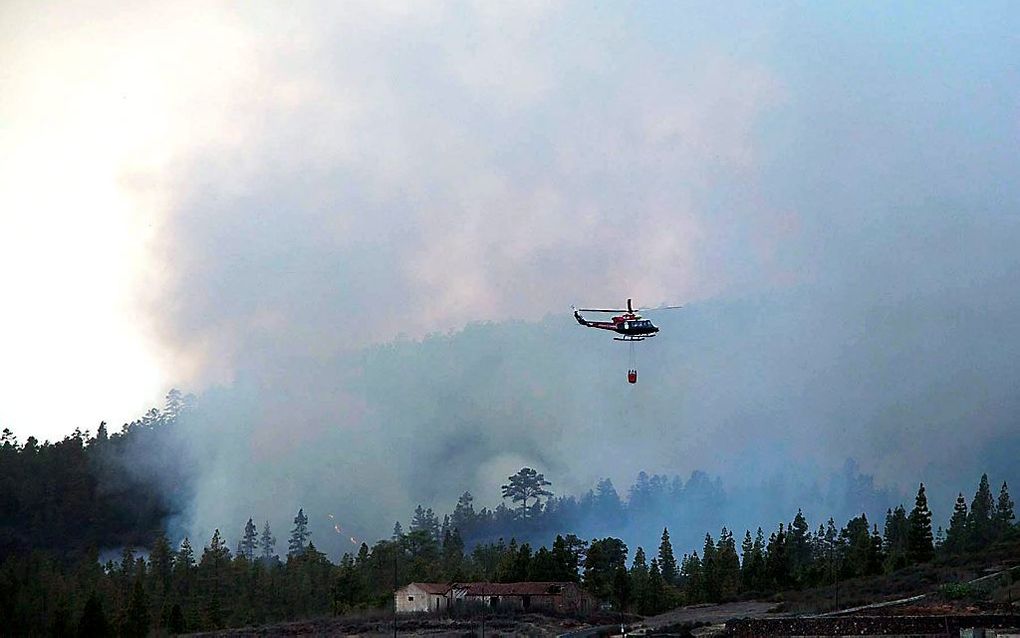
[{"x": 411, "y": 599}]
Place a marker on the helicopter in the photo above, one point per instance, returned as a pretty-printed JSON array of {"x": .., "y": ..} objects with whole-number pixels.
[{"x": 629, "y": 324}]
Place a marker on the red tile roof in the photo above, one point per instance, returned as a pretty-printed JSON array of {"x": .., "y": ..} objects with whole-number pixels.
[
  {"x": 513, "y": 589},
  {"x": 497, "y": 589},
  {"x": 432, "y": 588}
]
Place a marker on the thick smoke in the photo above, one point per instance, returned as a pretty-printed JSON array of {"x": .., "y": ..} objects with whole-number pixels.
[{"x": 839, "y": 211}]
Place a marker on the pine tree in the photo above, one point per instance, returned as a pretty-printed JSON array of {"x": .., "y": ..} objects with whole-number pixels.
[
  {"x": 93, "y": 623},
  {"x": 183, "y": 570},
  {"x": 639, "y": 581},
  {"x": 692, "y": 576},
  {"x": 543, "y": 568},
  {"x": 752, "y": 570},
  {"x": 507, "y": 566},
  {"x": 299, "y": 535},
  {"x": 453, "y": 555},
  {"x": 568, "y": 556},
  {"x": 127, "y": 570},
  {"x": 1004, "y": 515},
  {"x": 136, "y": 624},
  {"x": 176, "y": 623},
  {"x": 422, "y": 520},
  {"x": 605, "y": 559},
  {"x": 856, "y": 538},
  {"x": 655, "y": 590},
  {"x": 728, "y": 565},
  {"x": 710, "y": 569},
  {"x": 464, "y": 516},
  {"x": 876, "y": 556},
  {"x": 267, "y": 543},
  {"x": 102, "y": 436},
  {"x": 522, "y": 566},
  {"x": 161, "y": 561},
  {"x": 746, "y": 554},
  {"x": 776, "y": 561},
  {"x": 667, "y": 562},
  {"x": 526, "y": 485},
  {"x": 981, "y": 524},
  {"x": 398, "y": 531},
  {"x": 920, "y": 547},
  {"x": 430, "y": 525},
  {"x": 799, "y": 546},
  {"x": 445, "y": 527},
  {"x": 213, "y": 569},
  {"x": 249, "y": 540},
  {"x": 895, "y": 538},
  {"x": 956, "y": 536}
]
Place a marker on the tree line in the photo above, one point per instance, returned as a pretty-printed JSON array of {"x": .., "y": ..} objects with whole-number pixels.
[
  {"x": 87, "y": 491},
  {"x": 176, "y": 589}
]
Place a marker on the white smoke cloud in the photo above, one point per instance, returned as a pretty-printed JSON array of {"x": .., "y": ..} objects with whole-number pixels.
[{"x": 337, "y": 176}]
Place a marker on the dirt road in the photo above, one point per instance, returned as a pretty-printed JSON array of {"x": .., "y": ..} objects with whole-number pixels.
[{"x": 709, "y": 614}]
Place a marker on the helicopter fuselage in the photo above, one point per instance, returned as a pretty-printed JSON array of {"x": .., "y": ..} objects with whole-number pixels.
[{"x": 631, "y": 326}]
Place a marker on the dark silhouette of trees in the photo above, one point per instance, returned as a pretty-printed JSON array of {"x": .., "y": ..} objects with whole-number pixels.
[
  {"x": 93, "y": 622},
  {"x": 47, "y": 490},
  {"x": 667, "y": 562},
  {"x": 568, "y": 554},
  {"x": 53, "y": 516},
  {"x": 267, "y": 543},
  {"x": 527, "y": 484},
  {"x": 1004, "y": 515},
  {"x": 894, "y": 538},
  {"x": 136, "y": 624},
  {"x": 249, "y": 540},
  {"x": 752, "y": 561},
  {"x": 425, "y": 520},
  {"x": 464, "y": 516},
  {"x": 957, "y": 536},
  {"x": 920, "y": 547},
  {"x": 980, "y": 522},
  {"x": 603, "y": 562},
  {"x": 299, "y": 535}
]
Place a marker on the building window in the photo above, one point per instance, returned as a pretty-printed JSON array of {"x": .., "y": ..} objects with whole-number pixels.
[{"x": 410, "y": 599}]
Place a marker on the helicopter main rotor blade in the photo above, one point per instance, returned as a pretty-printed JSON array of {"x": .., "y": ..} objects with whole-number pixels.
[
  {"x": 600, "y": 310},
  {"x": 659, "y": 308}
]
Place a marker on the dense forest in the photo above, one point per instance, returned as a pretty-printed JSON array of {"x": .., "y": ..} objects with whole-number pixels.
[{"x": 64, "y": 501}]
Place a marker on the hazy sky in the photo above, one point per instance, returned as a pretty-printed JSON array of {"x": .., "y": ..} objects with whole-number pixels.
[{"x": 193, "y": 194}]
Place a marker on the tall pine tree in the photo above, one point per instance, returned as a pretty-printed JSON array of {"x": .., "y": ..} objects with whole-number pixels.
[
  {"x": 920, "y": 547},
  {"x": 799, "y": 546},
  {"x": 267, "y": 543},
  {"x": 249, "y": 540},
  {"x": 299, "y": 535},
  {"x": 981, "y": 523},
  {"x": 956, "y": 535},
  {"x": 667, "y": 562},
  {"x": 894, "y": 538},
  {"x": 1004, "y": 515},
  {"x": 639, "y": 582}
]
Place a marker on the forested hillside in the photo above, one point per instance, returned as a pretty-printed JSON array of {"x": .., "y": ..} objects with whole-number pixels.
[
  {"x": 65, "y": 501},
  {"x": 84, "y": 492}
]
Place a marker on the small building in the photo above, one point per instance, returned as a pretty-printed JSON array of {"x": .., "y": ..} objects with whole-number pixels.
[
  {"x": 422, "y": 597},
  {"x": 560, "y": 597}
]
